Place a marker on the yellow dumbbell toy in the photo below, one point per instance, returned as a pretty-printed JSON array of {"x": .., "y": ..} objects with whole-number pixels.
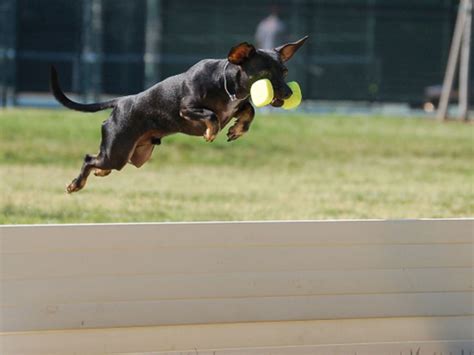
[
  {"x": 262, "y": 94},
  {"x": 295, "y": 99}
]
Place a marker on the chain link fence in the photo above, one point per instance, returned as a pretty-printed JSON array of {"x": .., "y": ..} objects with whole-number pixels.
[{"x": 370, "y": 50}]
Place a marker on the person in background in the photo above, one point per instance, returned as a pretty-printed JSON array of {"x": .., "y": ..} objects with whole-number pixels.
[
  {"x": 270, "y": 34},
  {"x": 270, "y": 31}
]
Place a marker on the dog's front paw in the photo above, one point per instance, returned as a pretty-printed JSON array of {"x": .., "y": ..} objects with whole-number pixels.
[
  {"x": 211, "y": 132},
  {"x": 235, "y": 132}
]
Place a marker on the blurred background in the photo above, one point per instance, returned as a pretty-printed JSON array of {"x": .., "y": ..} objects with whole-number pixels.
[{"x": 359, "y": 51}]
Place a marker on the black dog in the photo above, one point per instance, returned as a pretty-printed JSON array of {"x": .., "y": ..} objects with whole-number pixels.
[{"x": 198, "y": 102}]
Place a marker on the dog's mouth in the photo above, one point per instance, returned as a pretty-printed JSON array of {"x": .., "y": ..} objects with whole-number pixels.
[{"x": 277, "y": 102}]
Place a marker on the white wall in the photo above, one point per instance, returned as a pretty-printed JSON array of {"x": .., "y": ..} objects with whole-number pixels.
[{"x": 373, "y": 273}]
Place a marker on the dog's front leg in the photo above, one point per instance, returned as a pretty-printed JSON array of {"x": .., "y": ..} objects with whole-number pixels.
[
  {"x": 190, "y": 111},
  {"x": 244, "y": 119}
]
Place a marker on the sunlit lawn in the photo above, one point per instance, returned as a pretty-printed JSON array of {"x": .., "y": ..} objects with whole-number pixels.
[{"x": 286, "y": 167}]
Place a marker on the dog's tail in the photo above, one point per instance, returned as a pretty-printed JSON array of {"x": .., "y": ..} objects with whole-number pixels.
[{"x": 65, "y": 101}]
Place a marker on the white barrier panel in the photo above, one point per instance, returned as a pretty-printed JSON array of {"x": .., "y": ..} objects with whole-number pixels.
[{"x": 310, "y": 286}]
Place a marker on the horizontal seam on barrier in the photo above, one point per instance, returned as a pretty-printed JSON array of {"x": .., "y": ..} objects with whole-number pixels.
[
  {"x": 232, "y": 272},
  {"x": 243, "y": 297},
  {"x": 224, "y": 246}
]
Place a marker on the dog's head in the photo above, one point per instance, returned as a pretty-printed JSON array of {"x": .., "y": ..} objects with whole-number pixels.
[{"x": 258, "y": 64}]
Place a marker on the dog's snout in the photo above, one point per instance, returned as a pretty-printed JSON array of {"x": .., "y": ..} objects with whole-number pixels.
[
  {"x": 287, "y": 93},
  {"x": 283, "y": 92}
]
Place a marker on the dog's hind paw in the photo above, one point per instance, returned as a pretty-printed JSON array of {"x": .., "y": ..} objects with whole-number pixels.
[{"x": 73, "y": 187}]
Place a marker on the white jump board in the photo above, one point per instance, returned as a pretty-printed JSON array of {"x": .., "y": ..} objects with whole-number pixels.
[{"x": 129, "y": 275}]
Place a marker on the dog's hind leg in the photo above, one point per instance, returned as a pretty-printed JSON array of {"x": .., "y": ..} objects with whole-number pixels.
[
  {"x": 90, "y": 162},
  {"x": 144, "y": 148},
  {"x": 141, "y": 154},
  {"x": 116, "y": 149},
  {"x": 102, "y": 165}
]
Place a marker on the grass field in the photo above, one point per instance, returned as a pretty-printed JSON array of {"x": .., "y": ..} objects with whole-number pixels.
[{"x": 286, "y": 167}]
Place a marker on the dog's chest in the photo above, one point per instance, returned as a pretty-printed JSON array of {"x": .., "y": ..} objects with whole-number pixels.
[{"x": 228, "y": 111}]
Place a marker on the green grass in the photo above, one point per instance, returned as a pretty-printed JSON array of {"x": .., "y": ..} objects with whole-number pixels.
[{"x": 286, "y": 167}]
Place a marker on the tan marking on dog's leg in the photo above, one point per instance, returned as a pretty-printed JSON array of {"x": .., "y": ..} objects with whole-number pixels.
[
  {"x": 101, "y": 172},
  {"x": 141, "y": 154},
  {"x": 212, "y": 130}
]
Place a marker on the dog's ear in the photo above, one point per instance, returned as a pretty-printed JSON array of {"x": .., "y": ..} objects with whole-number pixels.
[
  {"x": 288, "y": 50},
  {"x": 239, "y": 53}
]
